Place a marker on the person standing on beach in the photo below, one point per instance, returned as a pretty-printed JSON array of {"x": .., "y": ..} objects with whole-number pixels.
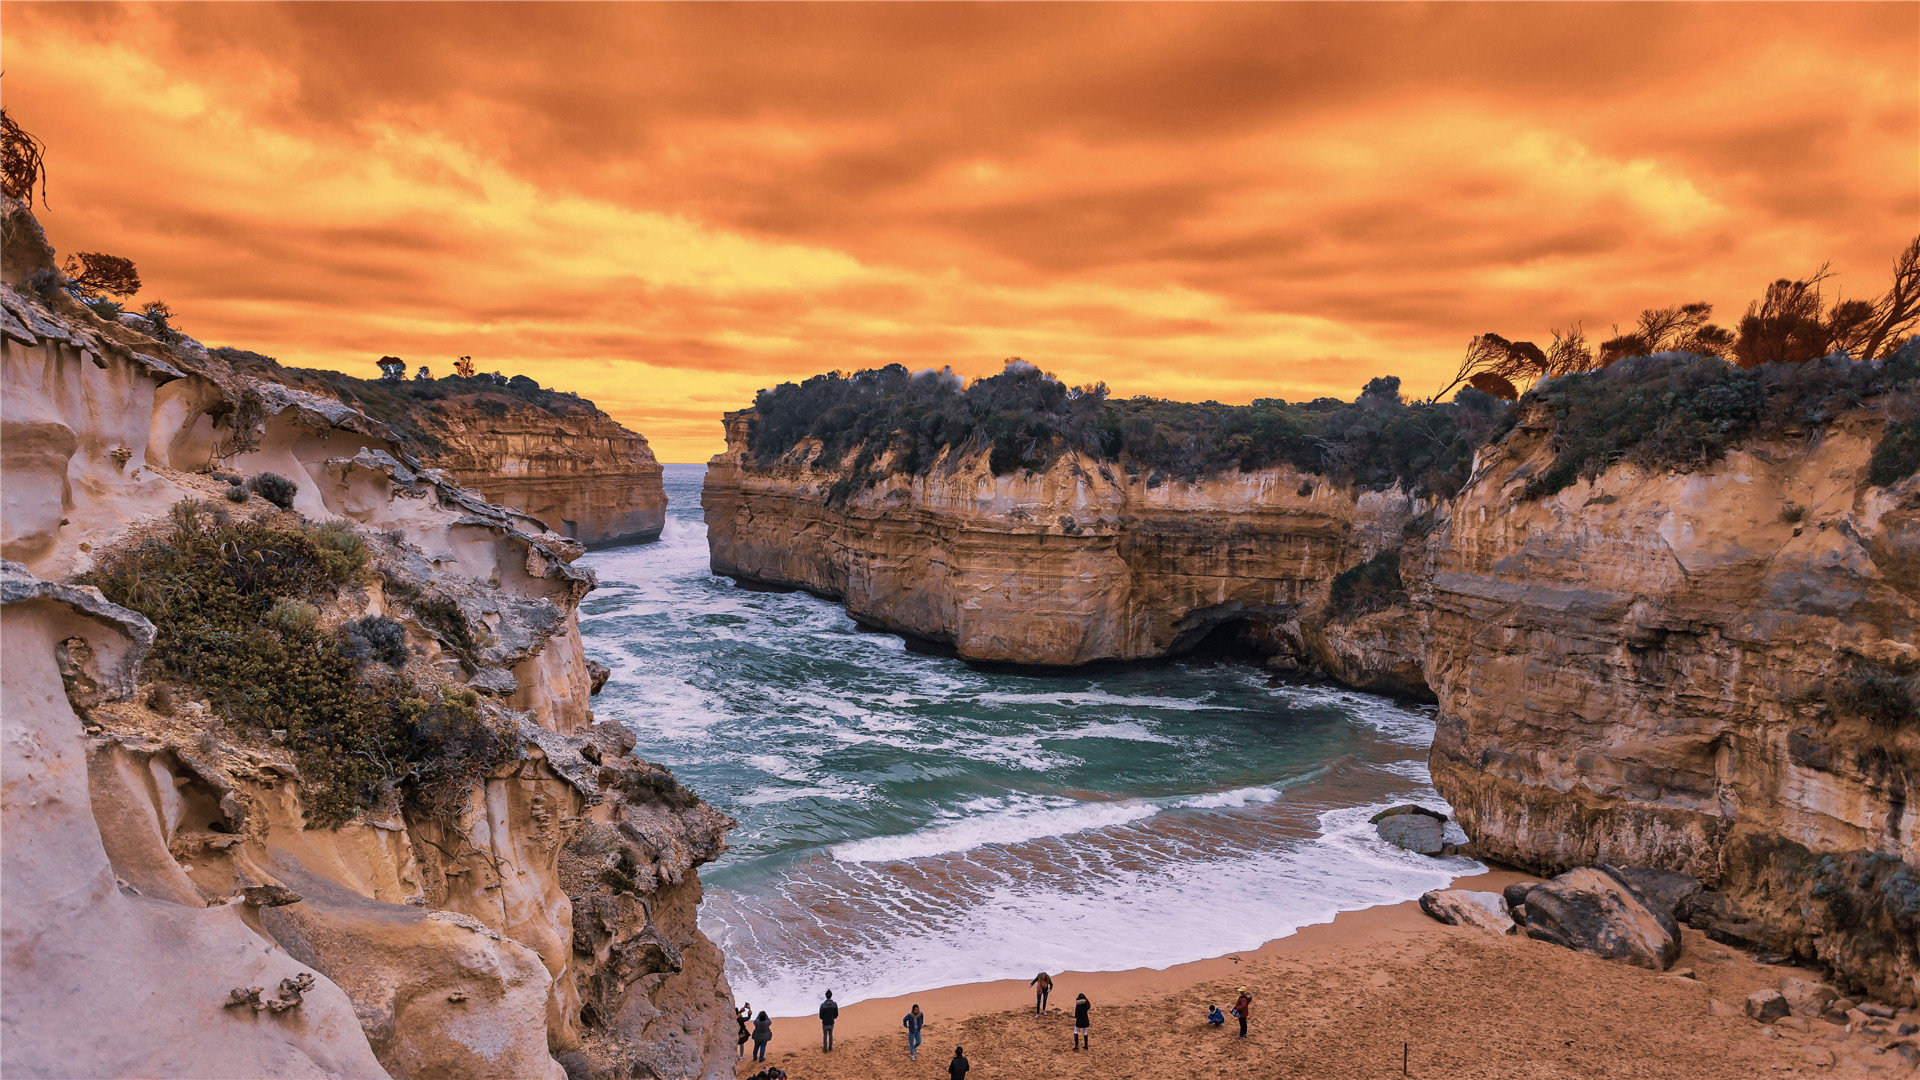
[
  {"x": 741, "y": 1018},
  {"x": 829, "y": 1012},
  {"x": 1082, "y": 1008},
  {"x": 913, "y": 1022},
  {"x": 1042, "y": 985},
  {"x": 1241, "y": 1009},
  {"x": 762, "y": 1035},
  {"x": 957, "y": 1068}
]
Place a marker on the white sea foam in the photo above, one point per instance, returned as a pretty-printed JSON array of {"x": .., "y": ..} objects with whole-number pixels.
[{"x": 1001, "y": 824}]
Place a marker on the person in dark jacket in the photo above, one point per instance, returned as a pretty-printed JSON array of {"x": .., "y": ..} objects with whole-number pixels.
[
  {"x": 745, "y": 1014},
  {"x": 957, "y": 1068},
  {"x": 913, "y": 1022},
  {"x": 1042, "y": 986},
  {"x": 829, "y": 1012},
  {"x": 1082, "y": 1010},
  {"x": 762, "y": 1035},
  {"x": 1242, "y": 1008}
]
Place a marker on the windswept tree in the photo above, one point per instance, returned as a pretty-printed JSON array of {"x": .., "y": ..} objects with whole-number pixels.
[
  {"x": 1494, "y": 365},
  {"x": 1790, "y": 324},
  {"x": 21, "y": 162},
  {"x": 1895, "y": 314},
  {"x": 97, "y": 274},
  {"x": 463, "y": 367},
  {"x": 1680, "y": 328},
  {"x": 392, "y": 368}
]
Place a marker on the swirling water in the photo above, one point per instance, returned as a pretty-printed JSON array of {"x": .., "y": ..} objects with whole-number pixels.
[{"x": 908, "y": 821}]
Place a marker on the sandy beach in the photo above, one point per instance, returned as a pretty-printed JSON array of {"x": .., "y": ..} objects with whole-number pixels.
[{"x": 1343, "y": 1001}]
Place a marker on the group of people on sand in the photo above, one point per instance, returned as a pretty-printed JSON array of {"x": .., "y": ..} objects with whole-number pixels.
[{"x": 760, "y": 1033}]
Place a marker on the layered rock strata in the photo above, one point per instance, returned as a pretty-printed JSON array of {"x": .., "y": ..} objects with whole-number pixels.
[
  {"x": 170, "y": 909},
  {"x": 583, "y": 474},
  {"x": 1657, "y": 669},
  {"x": 1711, "y": 672},
  {"x": 1080, "y": 563}
]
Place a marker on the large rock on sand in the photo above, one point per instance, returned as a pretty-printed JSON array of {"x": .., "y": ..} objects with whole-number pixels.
[
  {"x": 1415, "y": 828},
  {"x": 1461, "y": 907},
  {"x": 1594, "y": 912},
  {"x": 1666, "y": 892}
]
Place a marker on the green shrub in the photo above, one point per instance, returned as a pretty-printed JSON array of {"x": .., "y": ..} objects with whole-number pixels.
[
  {"x": 375, "y": 637},
  {"x": 290, "y": 616},
  {"x": 237, "y": 494},
  {"x": 444, "y": 617},
  {"x": 274, "y": 488},
  {"x": 1886, "y": 695},
  {"x": 1898, "y": 455},
  {"x": 341, "y": 548},
  {"x": 222, "y": 596}
]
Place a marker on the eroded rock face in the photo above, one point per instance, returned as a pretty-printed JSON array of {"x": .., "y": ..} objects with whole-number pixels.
[
  {"x": 1080, "y": 563},
  {"x": 168, "y": 910},
  {"x": 586, "y": 476},
  {"x": 1591, "y": 911},
  {"x": 1640, "y": 671}
]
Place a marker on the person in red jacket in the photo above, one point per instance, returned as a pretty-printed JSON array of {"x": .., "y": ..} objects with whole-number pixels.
[{"x": 1242, "y": 1007}]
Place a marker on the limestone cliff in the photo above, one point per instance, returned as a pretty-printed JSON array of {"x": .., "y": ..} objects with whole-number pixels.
[
  {"x": 1079, "y": 563},
  {"x": 1664, "y": 669},
  {"x": 172, "y": 907},
  {"x": 1710, "y": 671},
  {"x": 550, "y": 454}
]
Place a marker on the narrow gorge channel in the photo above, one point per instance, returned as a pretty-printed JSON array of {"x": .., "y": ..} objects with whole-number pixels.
[{"x": 909, "y": 821}]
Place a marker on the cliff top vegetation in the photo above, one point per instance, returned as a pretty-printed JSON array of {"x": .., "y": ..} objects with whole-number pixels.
[
  {"x": 1023, "y": 418},
  {"x": 418, "y": 408}
]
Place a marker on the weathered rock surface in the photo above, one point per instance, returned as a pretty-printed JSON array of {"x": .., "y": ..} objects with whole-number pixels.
[
  {"x": 1080, "y": 563},
  {"x": 1638, "y": 671},
  {"x": 169, "y": 912},
  {"x": 1464, "y": 907},
  {"x": 1593, "y": 912},
  {"x": 1806, "y": 997},
  {"x": 1414, "y": 828},
  {"x": 1766, "y": 1006}
]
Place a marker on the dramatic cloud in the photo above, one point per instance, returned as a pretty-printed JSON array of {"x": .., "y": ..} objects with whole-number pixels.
[{"x": 668, "y": 207}]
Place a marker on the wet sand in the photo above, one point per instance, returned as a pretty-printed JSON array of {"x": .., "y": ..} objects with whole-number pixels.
[{"x": 1341, "y": 1001}]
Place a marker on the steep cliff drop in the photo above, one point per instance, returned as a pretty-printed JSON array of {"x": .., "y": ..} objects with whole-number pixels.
[
  {"x": 1698, "y": 671},
  {"x": 352, "y": 819},
  {"x": 1078, "y": 563},
  {"x": 1710, "y": 669}
]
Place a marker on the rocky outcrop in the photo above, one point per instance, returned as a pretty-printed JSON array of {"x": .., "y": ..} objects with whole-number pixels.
[
  {"x": 1592, "y": 911},
  {"x": 1668, "y": 669},
  {"x": 568, "y": 464},
  {"x": 1079, "y": 563},
  {"x": 171, "y": 909}
]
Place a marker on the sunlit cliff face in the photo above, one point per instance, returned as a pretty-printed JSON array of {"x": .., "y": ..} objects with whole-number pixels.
[{"x": 665, "y": 208}]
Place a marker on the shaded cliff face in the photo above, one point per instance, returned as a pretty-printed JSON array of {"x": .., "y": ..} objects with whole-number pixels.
[
  {"x": 1075, "y": 564},
  {"x": 161, "y": 857},
  {"x": 1670, "y": 670}
]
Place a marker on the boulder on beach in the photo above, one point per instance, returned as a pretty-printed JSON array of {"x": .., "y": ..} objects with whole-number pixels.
[
  {"x": 1414, "y": 828},
  {"x": 1806, "y": 997},
  {"x": 1516, "y": 893},
  {"x": 1462, "y": 907},
  {"x": 1666, "y": 892},
  {"x": 1766, "y": 1006},
  {"x": 1594, "y": 912}
]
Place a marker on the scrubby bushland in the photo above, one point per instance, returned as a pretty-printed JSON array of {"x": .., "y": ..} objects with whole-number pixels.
[
  {"x": 416, "y": 408},
  {"x": 274, "y": 488},
  {"x": 1898, "y": 455},
  {"x": 1025, "y": 419},
  {"x": 236, "y": 606},
  {"x": 1684, "y": 411}
]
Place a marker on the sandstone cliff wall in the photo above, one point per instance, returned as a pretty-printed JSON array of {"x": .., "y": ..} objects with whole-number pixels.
[
  {"x": 157, "y": 860},
  {"x": 1697, "y": 671},
  {"x": 1076, "y": 564},
  {"x": 1653, "y": 669},
  {"x": 583, "y": 474}
]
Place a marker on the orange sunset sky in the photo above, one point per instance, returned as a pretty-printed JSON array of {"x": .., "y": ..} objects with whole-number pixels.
[{"x": 666, "y": 208}]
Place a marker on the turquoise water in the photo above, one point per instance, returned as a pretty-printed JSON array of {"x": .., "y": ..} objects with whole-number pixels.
[{"x": 907, "y": 821}]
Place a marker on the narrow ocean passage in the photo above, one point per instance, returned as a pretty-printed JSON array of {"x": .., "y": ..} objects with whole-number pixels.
[{"x": 909, "y": 822}]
